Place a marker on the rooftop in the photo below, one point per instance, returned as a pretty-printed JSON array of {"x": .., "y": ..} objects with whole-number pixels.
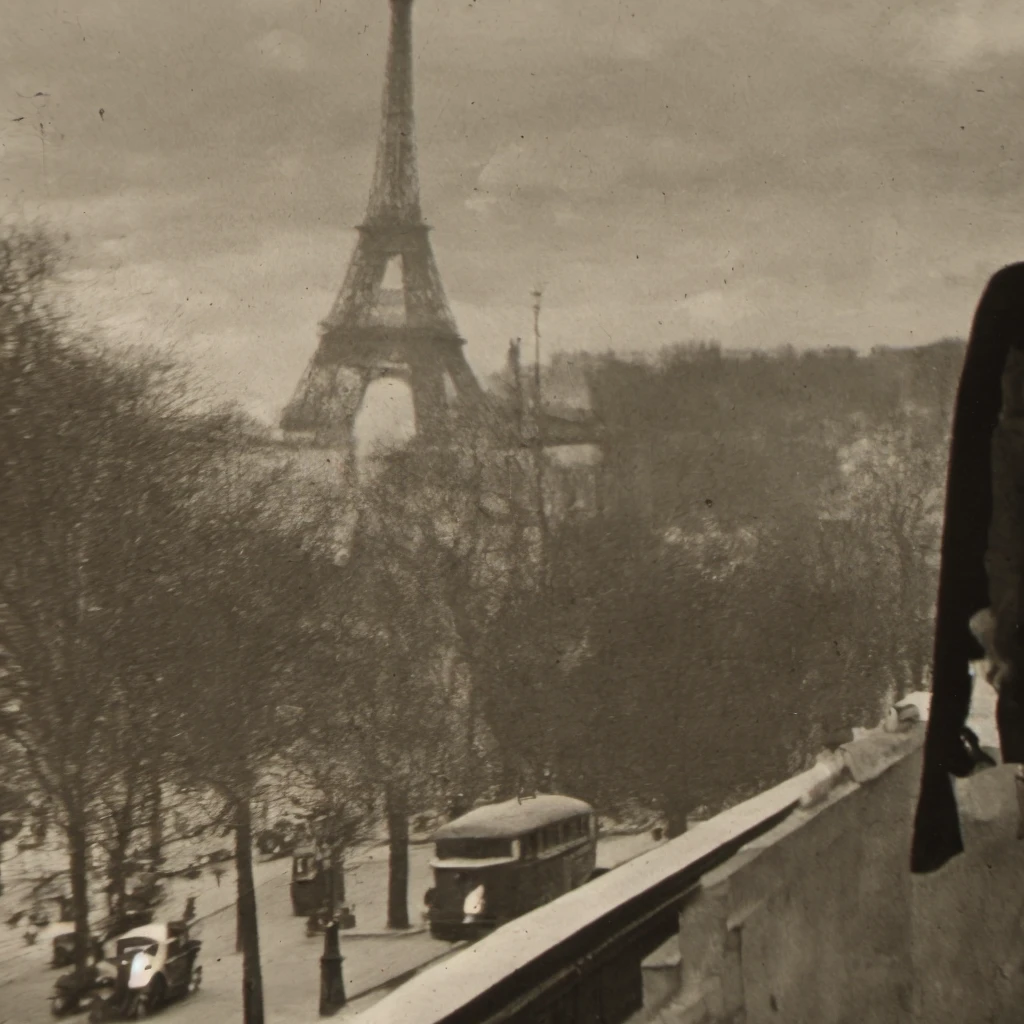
[
  {"x": 153, "y": 932},
  {"x": 512, "y": 818}
]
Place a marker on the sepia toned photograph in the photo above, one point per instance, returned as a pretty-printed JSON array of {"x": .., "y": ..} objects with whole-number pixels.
[{"x": 512, "y": 511}]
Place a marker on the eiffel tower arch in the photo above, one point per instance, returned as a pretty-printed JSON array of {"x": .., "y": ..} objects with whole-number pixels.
[{"x": 391, "y": 317}]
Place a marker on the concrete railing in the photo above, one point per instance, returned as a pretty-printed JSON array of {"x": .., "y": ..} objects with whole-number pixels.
[{"x": 796, "y": 906}]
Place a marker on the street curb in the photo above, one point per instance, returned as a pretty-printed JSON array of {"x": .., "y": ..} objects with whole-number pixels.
[{"x": 395, "y": 933}]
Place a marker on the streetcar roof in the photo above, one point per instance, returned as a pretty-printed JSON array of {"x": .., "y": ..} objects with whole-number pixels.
[
  {"x": 512, "y": 818},
  {"x": 469, "y": 863}
]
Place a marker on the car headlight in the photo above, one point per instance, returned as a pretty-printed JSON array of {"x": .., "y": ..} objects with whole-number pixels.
[
  {"x": 141, "y": 971},
  {"x": 473, "y": 905}
]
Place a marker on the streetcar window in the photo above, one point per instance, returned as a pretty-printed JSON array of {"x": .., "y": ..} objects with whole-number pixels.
[
  {"x": 305, "y": 867},
  {"x": 474, "y": 849}
]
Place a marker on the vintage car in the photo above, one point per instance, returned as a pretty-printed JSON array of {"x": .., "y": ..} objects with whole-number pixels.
[
  {"x": 79, "y": 986},
  {"x": 152, "y": 966},
  {"x": 64, "y": 948},
  {"x": 282, "y": 839},
  {"x": 64, "y": 943}
]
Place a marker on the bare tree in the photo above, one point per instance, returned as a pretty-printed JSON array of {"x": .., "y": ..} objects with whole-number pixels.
[
  {"x": 98, "y": 460},
  {"x": 241, "y": 612},
  {"x": 890, "y": 509},
  {"x": 412, "y": 548}
]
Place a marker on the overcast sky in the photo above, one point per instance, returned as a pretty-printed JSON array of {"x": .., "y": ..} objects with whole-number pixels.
[{"x": 814, "y": 172}]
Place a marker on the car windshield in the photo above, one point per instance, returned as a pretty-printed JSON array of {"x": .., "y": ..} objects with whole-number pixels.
[{"x": 131, "y": 946}]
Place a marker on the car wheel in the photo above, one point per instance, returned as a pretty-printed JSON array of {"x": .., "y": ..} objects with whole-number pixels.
[
  {"x": 63, "y": 1004},
  {"x": 156, "y": 994},
  {"x": 140, "y": 1007}
]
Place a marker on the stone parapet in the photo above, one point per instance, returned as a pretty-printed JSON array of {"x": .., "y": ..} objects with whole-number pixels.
[{"x": 820, "y": 922}]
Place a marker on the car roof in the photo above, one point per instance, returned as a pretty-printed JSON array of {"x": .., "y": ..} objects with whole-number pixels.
[
  {"x": 153, "y": 932},
  {"x": 512, "y": 818}
]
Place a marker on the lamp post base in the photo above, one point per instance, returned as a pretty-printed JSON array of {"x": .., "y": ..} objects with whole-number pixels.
[{"x": 332, "y": 980}]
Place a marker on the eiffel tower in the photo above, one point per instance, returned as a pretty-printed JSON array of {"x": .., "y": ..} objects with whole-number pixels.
[{"x": 391, "y": 317}]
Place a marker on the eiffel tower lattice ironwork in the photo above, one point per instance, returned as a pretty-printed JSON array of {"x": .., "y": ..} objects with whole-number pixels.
[{"x": 391, "y": 317}]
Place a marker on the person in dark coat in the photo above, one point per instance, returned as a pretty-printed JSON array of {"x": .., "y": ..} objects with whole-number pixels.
[{"x": 982, "y": 566}]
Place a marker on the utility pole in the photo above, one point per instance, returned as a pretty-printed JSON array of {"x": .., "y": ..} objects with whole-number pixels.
[
  {"x": 538, "y": 435},
  {"x": 538, "y": 295},
  {"x": 544, "y": 548}
]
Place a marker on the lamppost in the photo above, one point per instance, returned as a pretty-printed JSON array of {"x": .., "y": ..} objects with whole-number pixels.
[{"x": 332, "y": 978}]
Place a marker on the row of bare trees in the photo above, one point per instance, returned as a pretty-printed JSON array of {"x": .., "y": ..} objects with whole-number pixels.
[{"x": 173, "y": 614}]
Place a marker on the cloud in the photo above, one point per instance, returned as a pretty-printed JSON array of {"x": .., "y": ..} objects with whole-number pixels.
[
  {"x": 282, "y": 51},
  {"x": 718, "y": 311},
  {"x": 19, "y": 140},
  {"x": 578, "y": 164},
  {"x": 966, "y": 34},
  {"x": 756, "y": 171},
  {"x": 590, "y": 163}
]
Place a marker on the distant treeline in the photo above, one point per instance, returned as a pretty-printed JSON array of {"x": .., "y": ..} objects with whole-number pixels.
[
  {"x": 759, "y": 577},
  {"x": 756, "y": 434}
]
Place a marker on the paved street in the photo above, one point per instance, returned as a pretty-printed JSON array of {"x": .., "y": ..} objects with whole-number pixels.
[{"x": 290, "y": 959}]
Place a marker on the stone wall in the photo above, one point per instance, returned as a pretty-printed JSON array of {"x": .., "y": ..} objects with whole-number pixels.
[{"x": 820, "y": 922}]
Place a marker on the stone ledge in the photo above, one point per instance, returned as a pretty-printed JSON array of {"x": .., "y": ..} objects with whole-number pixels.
[
  {"x": 819, "y": 921},
  {"x": 812, "y": 869}
]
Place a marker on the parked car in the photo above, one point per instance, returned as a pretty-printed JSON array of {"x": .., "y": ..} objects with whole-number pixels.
[
  {"x": 71, "y": 990},
  {"x": 64, "y": 949},
  {"x": 282, "y": 839},
  {"x": 153, "y": 966},
  {"x": 64, "y": 944}
]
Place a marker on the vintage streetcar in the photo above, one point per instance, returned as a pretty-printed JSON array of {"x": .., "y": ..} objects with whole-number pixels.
[
  {"x": 311, "y": 882},
  {"x": 502, "y": 860}
]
